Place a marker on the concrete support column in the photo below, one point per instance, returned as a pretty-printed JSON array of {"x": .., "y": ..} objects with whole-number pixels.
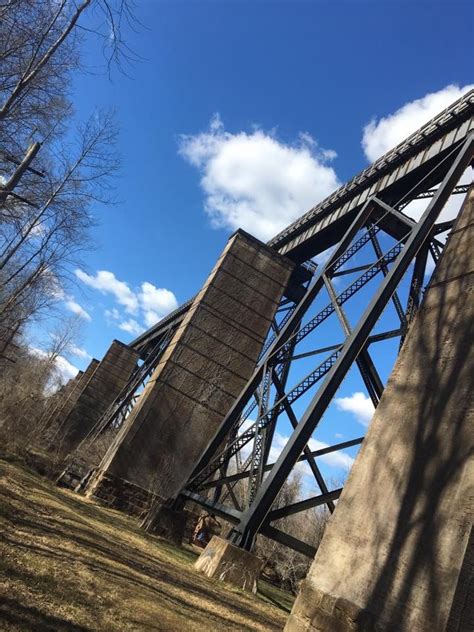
[
  {"x": 206, "y": 364},
  {"x": 67, "y": 402},
  {"x": 397, "y": 555},
  {"x": 97, "y": 390},
  {"x": 228, "y": 563},
  {"x": 56, "y": 401},
  {"x": 66, "y": 389}
]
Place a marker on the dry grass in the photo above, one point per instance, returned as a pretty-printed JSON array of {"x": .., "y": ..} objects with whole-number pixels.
[{"x": 69, "y": 565}]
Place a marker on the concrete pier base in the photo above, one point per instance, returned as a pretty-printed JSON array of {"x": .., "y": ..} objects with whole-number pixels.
[
  {"x": 73, "y": 474},
  {"x": 119, "y": 493},
  {"x": 317, "y": 611},
  {"x": 397, "y": 555},
  {"x": 228, "y": 563},
  {"x": 172, "y": 525}
]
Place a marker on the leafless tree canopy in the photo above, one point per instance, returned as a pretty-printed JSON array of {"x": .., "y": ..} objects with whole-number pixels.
[
  {"x": 40, "y": 48},
  {"x": 31, "y": 385},
  {"x": 52, "y": 170},
  {"x": 283, "y": 565}
]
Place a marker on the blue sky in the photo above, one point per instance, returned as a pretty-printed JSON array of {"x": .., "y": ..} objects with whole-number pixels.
[{"x": 229, "y": 100}]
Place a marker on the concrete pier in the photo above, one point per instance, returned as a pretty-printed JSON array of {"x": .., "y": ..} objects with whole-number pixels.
[
  {"x": 66, "y": 403},
  {"x": 398, "y": 555},
  {"x": 207, "y": 363},
  {"x": 55, "y": 402},
  {"x": 95, "y": 391}
]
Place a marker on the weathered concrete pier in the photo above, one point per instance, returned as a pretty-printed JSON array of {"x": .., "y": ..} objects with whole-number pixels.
[
  {"x": 398, "y": 553},
  {"x": 89, "y": 398},
  {"x": 208, "y": 361}
]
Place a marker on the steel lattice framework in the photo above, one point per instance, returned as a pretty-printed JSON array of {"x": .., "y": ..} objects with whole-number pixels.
[{"x": 381, "y": 254}]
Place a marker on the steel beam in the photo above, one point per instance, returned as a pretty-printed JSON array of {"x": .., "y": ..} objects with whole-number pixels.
[
  {"x": 303, "y": 505},
  {"x": 288, "y": 540},
  {"x": 366, "y": 366},
  {"x": 236, "y": 410},
  {"x": 232, "y": 478},
  {"x": 306, "y": 451},
  {"x": 399, "y": 169}
]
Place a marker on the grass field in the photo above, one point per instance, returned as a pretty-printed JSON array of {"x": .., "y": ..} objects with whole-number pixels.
[{"x": 67, "y": 564}]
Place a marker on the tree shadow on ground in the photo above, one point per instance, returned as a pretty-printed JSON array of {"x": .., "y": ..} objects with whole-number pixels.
[
  {"x": 64, "y": 529},
  {"x": 23, "y": 617}
]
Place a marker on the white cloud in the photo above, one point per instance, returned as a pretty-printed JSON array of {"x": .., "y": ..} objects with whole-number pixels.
[
  {"x": 74, "y": 307},
  {"x": 131, "y": 326},
  {"x": 112, "y": 314},
  {"x": 55, "y": 288},
  {"x": 151, "y": 318},
  {"x": 334, "y": 459},
  {"x": 79, "y": 353},
  {"x": 64, "y": 369},
  {"x": 149, "y": 303},
  {"x": 107, "y": 283},
  {"x": 388, "y": 132},
  {"x": 155, "y": 302},
  {"x": 359, "y": 404},
  {"x": 381, "y": 135},
  {"x": 256, "y": 182}
]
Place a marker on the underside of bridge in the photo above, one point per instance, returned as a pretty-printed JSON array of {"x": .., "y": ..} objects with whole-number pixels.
[{"x": 197, "y": 407}]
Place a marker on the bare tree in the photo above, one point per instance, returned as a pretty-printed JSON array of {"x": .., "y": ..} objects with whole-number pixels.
[
  {"x": 39, "y": 243},
  {"x": 40, "y": 48},
  {"x": 40, "y": 45},
  {"x": 64, "y": 337},
  {"x": 50, "y": 179},
  {"x": 283, "y": 565},
  {"x": 47, "y": 186},
  {"x": 32, "y": 383}
]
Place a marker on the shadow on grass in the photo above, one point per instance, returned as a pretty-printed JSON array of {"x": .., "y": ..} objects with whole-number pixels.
[
  {"x": 101, "y": 541},
  {"x": 27, "y": 618}
]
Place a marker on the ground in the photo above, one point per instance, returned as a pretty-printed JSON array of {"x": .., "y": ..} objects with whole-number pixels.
[{"x": 67, "y": 564}]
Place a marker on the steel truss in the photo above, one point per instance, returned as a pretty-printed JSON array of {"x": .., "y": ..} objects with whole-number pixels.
[
  {"x": 267, "y": 396},
  {"x": 363, "y": 216}
]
